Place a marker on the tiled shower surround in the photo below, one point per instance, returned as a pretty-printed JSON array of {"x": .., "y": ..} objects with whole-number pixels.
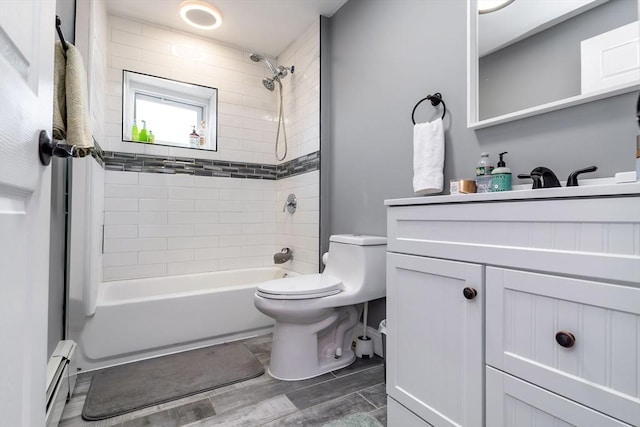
[
  {"x": 172, "y": 211},
  {"x": 247, "y": 112},
  {"x": 159, "y": 224}
]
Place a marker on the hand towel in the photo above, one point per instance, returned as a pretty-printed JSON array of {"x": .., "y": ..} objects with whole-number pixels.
[
  {"x": 428, "y": 157},
  {"x": 59, "y": 96},
  {"x": 70, "y": 108}
]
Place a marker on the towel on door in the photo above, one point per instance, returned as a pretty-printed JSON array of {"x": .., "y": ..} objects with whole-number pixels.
[
  {"x": 70, "y": 108},
  {"x": 428, "y": 157}
]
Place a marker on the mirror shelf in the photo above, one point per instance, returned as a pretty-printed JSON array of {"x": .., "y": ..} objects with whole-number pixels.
[
  {"x": 553, "y": 106},
  {"x": 475, "y": 119}
]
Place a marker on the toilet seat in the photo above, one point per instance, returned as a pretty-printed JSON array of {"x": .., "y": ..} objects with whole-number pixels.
[{"x": 300, "y": 287}]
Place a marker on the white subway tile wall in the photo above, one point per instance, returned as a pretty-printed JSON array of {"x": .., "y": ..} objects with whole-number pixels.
[
  {"x": 96, "y": 79},
  {"x": 302, "y": 93},
  {"x": 300, "y": 230},
  {"x": 180, "y": 224},
  {"x": 247, "y": 112},
  {"x": 156, "y": 224}
]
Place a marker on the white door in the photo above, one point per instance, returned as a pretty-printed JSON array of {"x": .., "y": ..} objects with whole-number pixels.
[{"x": 27, "y": 31}]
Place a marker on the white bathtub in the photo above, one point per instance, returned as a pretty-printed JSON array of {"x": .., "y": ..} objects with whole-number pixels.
[{"x": 140, "y": 318}]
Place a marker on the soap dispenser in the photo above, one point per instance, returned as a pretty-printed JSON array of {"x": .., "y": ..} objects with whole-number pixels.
[
  {"x": 134, "y": 131},
  {"x": 143, "y": 131},
  {"x": 501, "y": 176},
  {"x": 194, "y": 138}
]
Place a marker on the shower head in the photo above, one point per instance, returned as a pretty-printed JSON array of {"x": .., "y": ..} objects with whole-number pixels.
[
  {"x": 256, "y": 57},
  {"x": 268, "y": 83}
]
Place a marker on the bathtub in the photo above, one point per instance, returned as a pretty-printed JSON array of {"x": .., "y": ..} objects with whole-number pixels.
[{"x": 140, "y": 318}]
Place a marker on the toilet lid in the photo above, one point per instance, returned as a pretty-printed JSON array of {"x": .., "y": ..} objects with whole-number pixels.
[{"x": 301, "y": 287}]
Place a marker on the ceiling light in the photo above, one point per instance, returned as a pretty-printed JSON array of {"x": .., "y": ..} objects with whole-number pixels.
[
  {"x": 200, "y": 14},
  {"x": 488, "y": 6}
]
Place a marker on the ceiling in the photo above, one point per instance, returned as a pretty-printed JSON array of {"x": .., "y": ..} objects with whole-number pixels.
[{"x": 264, "y": 26}]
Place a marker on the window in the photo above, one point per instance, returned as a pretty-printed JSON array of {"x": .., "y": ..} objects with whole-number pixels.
[{"x": 170, "y": 110}]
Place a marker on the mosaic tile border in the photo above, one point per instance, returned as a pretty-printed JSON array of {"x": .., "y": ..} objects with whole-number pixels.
[{"x": 132, "y": 162}]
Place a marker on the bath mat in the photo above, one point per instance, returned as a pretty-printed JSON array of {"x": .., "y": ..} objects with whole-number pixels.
[
  {"x": 125, "y": 388},
  {"x": 359, "y": 419}
]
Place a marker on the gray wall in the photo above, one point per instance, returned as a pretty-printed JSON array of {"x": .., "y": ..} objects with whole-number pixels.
[
  {"x": 545, "y": 67},
  {"x": 384, "y": 56}
]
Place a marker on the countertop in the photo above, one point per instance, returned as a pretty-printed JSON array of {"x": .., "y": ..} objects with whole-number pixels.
[{"x": 599, "y": 187}]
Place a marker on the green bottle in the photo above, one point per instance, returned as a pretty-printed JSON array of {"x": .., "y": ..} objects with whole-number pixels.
[
  {"x": 134, "y": 131},
  {"x": 151, "y": 138},
  {"x": 143, "y": 132}
]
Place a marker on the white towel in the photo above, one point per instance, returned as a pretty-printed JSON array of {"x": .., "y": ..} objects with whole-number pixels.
[
  {"x": 428, "y": 157},
  {"x": 70, "y": 107}
]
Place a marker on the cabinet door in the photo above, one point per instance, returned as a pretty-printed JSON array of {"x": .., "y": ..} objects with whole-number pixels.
[
  {"x": 512, "y": 402},
  {"x": 577, "y": 338},
  {"x": 435, "y": 360},
  {"x": 399, "y": 416}
]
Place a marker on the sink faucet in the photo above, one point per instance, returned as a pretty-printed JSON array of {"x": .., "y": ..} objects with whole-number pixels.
[
  {"x": 542, "y": 178},
  {"x": 283, "y": 256},
  {"x": 572, "y": 181}
]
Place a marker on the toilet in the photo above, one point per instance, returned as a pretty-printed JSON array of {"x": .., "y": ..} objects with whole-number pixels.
[{"x": 316, "y": 315}]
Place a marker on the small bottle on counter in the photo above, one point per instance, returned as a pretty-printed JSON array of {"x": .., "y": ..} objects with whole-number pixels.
[
  {"x": 151, "y": 137},
  {"x": 501, "y": 176},
  {"x": 483, "y": 174}
]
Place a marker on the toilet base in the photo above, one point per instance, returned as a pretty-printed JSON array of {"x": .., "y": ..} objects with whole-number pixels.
[
  {"x": 347, "y": 359},
  {"x": 300, "y": 351}
]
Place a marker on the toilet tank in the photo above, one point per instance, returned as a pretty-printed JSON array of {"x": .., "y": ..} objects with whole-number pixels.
[{"x": 360, "y": 262}]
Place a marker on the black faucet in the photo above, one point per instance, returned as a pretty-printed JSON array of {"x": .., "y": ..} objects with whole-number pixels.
[
  {"x": 542, "y": 178},
  {"x": 572, "y": 181}
]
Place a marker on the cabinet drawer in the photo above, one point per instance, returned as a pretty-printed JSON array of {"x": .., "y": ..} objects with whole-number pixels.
[
  {"x": 576, "y": 237},
  {"x": 513, "y": 402},
  {"x": 526, "y": 311}
]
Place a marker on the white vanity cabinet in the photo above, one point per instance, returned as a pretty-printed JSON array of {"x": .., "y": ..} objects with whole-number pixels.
[{"x": 551, "y": 335}]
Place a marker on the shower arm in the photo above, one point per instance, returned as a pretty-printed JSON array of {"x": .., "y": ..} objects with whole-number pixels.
[{"x": 273, "y": 69}]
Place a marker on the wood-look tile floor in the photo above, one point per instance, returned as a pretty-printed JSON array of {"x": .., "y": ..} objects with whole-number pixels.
[{"x": 262, "y": 401}]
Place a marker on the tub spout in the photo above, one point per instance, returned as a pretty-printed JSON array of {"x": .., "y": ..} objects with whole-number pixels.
[{"x": 283, "y": 256}]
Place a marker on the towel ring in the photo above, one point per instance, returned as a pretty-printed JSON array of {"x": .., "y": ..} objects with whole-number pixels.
[{"x": 435, "y": 99}]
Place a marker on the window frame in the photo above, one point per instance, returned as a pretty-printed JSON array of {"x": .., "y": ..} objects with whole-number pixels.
[{"x": 187, "y": 95}]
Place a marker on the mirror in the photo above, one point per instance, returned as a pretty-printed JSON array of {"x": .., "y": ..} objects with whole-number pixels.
[
  {"x": 532, "y": 57},
  {"x": 161, "y": 111}
]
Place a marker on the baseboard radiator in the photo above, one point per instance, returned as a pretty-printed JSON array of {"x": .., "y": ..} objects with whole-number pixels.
[{"x": 61, "y": 379}]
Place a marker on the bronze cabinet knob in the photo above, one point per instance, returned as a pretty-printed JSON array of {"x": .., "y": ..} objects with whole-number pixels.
[
  {"x": 565, "y": 339},
  {"x": 469, "y": 293}
]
